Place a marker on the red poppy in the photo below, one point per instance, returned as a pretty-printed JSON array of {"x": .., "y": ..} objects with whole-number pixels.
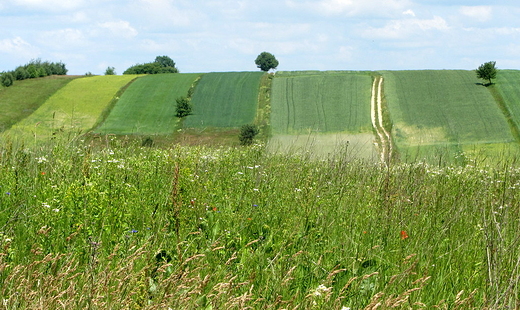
[
  {"x": 214, "y": 208},
  {"x": 43, "y": 173},
  {"x": 404, "y": 235}
]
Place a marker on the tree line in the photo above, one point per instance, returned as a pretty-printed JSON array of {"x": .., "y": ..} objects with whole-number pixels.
[{"x": 34, "y": 69}]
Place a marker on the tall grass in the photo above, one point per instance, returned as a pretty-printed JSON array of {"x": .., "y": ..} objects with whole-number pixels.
[{"x": 127, "y": 227}]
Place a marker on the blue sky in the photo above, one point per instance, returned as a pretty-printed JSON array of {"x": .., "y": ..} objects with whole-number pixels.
[{"x": 227, "y": 35}]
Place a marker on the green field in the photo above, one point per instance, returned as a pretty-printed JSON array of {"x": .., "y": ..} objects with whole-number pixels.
[
  {"x": 305, "y": 106},
  {"x": 76, "y": 107},
  {"x": 148, "y": 105},
  {"x": 225, "y": 100},
  {"x": 446, "y": 108},
  {"x": 507, "y": 84},
  {"x": 24, "y": 97}
]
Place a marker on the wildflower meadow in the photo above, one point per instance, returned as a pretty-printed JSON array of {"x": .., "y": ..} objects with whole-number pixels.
[{"x": 115, "y": 225}]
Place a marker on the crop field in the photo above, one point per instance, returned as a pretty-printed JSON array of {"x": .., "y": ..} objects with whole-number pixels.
[
  {"x": 508, "y": 87},
  {"x": 225, "y": 100},
  {"x": 148, "y": 106},
  {"x": 24, "y": 97},
  {"x": 447, "y": 109},
  {"x": 309, "y": 105},
  {"x": 127, "y": 227},
  {"x": 75, "y": 107}
]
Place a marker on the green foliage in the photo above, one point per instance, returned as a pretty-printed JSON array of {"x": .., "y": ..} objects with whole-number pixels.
[
  {"x": 110, "y": 71},
  {"x": 131, "y": 227},
  {"x": 165, "y": 61},
  {"x": 162, "y": 64},
  {"x": 266, "y": 61},
  {"x": 6, "y": 79},
  {"x": 37, "y": 68},
  {"x": 183, "y": 107},
  {"x": 487, "y": 71},
  {"x": 248, "y": 133}
]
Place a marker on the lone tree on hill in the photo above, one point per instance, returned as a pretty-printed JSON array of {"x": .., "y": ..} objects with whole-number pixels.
[
  {"x": 266, "y": 61},
  {"x": 487, "y": 71}
]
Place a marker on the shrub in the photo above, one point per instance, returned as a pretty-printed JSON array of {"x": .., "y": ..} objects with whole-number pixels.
[
  {"x": 247, "y": 134},
  {"x": 7, "y": 79},
  {"x": 183, "y": 107}
]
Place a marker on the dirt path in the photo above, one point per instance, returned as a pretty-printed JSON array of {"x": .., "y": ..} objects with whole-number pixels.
[{"x": 376, "y": 112}]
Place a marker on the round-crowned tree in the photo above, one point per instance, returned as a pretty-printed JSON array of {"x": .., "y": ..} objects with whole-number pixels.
[
  {"x": 266, "y": 61},
  {"x": 487, "y": 71}
]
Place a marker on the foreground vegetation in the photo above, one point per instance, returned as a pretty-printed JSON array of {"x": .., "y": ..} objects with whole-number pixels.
[{"x": 126, "y": 227}]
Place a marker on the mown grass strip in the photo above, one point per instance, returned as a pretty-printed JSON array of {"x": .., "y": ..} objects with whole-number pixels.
[
  {"x": 75, "y": 107},
  {"x": 225, "y": 100},
  {"x": 148, "y": 106},
  {"x": 24, "y": 97}
]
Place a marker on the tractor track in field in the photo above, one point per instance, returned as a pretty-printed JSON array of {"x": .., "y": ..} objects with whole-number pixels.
[{"x": 376, "y": 112}]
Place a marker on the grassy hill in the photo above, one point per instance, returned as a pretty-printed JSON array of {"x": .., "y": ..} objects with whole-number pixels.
[
  {"x": 442, "y": 110},
  {"x": 148, "y": 105},
  {"x": 24, "y": 97},
  {"x": 225, "y": 100},
  {"x": 75, "y": 107},
  {"x": 322, "y": 110}
]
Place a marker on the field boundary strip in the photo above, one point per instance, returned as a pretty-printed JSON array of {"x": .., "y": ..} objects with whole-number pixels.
[{"x": 376, "y": 112}]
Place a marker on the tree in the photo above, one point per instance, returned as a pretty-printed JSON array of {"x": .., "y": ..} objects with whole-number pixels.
[
  {"x": 487, "y": 71},
  {"x": 165, "y": 61},
  {"x": 7, "y": 79},
  {"x": 110, "y": 71},
  {"x": 247, "y": 134},
  {"x": 183, "y": 107},
  {"x": 162, "y": 64},
  {"x": 266, "y": 61}
]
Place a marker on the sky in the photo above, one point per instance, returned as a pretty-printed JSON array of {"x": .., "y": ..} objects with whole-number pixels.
[{"x": 228, "y": 35}]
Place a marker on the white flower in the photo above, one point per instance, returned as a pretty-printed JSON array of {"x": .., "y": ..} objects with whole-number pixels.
[
  {"x": 41, "y": 159},
  {"x": 321, "y": 289},
  {"x": 44, "y": 204},
  {"x": 345, "y": 308}
]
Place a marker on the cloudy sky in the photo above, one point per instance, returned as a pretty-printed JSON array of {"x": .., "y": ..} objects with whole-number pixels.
[{"x": 227, "y": 35}]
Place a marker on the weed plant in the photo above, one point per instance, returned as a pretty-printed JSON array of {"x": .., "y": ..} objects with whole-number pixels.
[{"x": 130, "y": 227}]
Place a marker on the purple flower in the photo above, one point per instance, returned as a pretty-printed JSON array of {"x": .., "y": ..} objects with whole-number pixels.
[
  {"x": 133, "y": 231},
  {"x": 8, "y": 193}
]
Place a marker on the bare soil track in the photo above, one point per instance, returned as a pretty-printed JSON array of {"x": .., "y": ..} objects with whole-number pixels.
[{"x": 376, "y": 112}]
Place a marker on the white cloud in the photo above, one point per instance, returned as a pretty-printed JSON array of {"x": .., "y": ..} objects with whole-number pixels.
[
  {"x": 352, "y": 7},
  {"x": 18, "y": 47},
  {"x": 118, "y": 28},
  {"x": 409, "y": 12},
  {"x": 480, "y": 13},
  {"x": 400, "y": 29},
  {"x": 64, "y": 38},
  {"x": 50, "y": 5}
]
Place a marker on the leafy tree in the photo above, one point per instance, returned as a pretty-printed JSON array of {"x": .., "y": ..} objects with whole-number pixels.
[
  {"x": 165, "y": 61},
  {"x": 183, "y": 107},
  {"x": 162, "y": 64},
  {"x": 266, "y": 61},
  {"x": 247, "y": 134},
  {"x": 487, "y": 71},
  {"x": 7, "y": 79},
  {"x": 110, "y": 71}
]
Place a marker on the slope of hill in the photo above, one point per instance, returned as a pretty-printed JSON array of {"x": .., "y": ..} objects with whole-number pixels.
[
  {"x": 24, "y": 97},
  {"x": 442, "y": 109},
  {"x": 225, "y": 100},
  {"x": 322, "y": 110},
  {"x": 148, "y": 105},
  {"x": 76, "y": 107}
]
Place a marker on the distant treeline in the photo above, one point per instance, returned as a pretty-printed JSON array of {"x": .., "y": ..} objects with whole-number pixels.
[
  {"x": 162, "y": 64},
  {"x": 34, "y": 69}
]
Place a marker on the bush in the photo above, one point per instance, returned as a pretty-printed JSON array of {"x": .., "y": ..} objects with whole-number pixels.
[
  {"x": 162, "y": 64},
  {"x": 7, "y": 79},
  {"x": 247, "y": 134},
  {"x": 183, "y": 107},
  {"x": 110, "y": 71}
]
